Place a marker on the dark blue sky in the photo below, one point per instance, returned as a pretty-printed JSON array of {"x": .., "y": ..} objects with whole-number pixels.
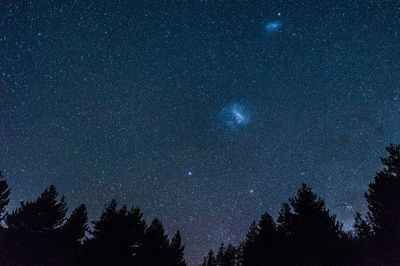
[{"x": 204, "y": 114}]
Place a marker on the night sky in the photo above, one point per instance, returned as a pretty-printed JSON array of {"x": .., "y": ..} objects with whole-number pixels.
[{"x": 205, "y": 114}]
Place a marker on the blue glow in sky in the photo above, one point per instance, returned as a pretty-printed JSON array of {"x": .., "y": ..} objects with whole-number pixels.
[
  {"x": 273, "y": 26},
  {"x": 234, "y": 115}
]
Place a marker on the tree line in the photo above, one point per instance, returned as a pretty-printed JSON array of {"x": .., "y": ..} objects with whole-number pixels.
[
  {"x": 39, "y": 232},
  {"x": 305, "y": 233}
]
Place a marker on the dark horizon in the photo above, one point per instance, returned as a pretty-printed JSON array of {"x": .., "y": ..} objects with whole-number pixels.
[{"x": 306, "y": 232}]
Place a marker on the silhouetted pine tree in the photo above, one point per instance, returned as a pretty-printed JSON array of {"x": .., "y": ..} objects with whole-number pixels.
[
  {"x": 313, "y": 236},
  {"x": 263, "y": 243},
  {"x": 384, "y": 208},
  {"x": 209, "y": 260},
  {"x": 220, "y": 255},
  {"x": 4, "y": 200},
  {"x": 44, "y": 214},
  {"x": 230, "y": 256},
  {"x": 74, "y": 229},
  {"x": 32, "y": 230},
  {"x": 249, "y": 246},
  {"x": 117, "y": 238},
  {"x": 71, "y": 235},
  {"x": 363, "y": 251},
  {"x": 362, "y": 229},
  {"x": 157, "y": 246},
  {"x": 4, "y": 194},
  {"x": 177, "y": 250}
]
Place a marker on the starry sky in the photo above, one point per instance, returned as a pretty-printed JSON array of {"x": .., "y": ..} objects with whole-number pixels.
[{"x": 205, "y": 114}]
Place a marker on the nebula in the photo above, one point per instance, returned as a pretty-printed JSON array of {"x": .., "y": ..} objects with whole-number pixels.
[{"x": 234, "y": 116}]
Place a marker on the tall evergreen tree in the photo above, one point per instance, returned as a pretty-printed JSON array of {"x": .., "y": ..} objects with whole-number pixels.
[
  {"x": 74, "y": 229},
  {"x": 209, "y": 260},
  {"x": 46, "y": 213},
  {"x": 32, "y": 229},
  {"x": 230, "y": 256},
  {"x": 71, "y": 234},
  {"x": 249, "y": 246},
  {"x": 157, "y": 246},
  {"x": 226, "y": 256},
  {"x": 4, "y": 194},
  {"x": 220, "y": 255},
  {"x": 362, "y": 250},
  {"x": 177, "y": 250},
  {"x": 117, "y": 238},
  {"x": 384, "y": 207},
  {"x": 312, "y": 234},
  {"x": 4, "y": 200},
  {"x": 263, "y": 243},
  {"x": 362, "y": 229}
]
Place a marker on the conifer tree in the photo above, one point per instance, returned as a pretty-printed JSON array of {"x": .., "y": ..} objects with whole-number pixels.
[
  {"x": 263, "y": 243},
  {"x": 177, "y": 250},
  {"x": 209, "y": 260},
  {"x": 74, "y": 229},
  {"x": 362, "y": 229},
  {"x": 384, "y": 207},
  {"x": 117, "y": 237},
  {"x": 249, "y": 248},
  {"x": 33, "y": 227},
  {"x": 311, "y": 234},
  {"x": 229, "y": 258},
  {"x": 220, "y": 255},
  {"x": 4, "y": 200},
  {"x": 157, "y": 245},
  {"x": 46, "y": 213},
  {"x": 4, "y": 194}
]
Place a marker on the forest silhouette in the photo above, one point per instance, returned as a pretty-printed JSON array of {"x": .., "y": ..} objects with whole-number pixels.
[{"x": 305, "y": 233}]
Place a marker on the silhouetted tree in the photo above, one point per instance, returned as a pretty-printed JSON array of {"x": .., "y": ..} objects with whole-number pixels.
[
  {"x": 384, "y": 208},
  {"x": 263, "y": 243},
  {"x": 35, "y": 231},
  {"x": 117, "y": 238},
  {"x": 4, "y": 194},
  {"x": 362, "y": 250},
  {"x": 362, "y": 229},
  {"x": 73, "y": 231},
  {"x": 177, "y": 250},
  {"x": 157, "y": 246},
  {"x": 229, "y": 256},
  {"x": 44, "y": 214},
  {"x": 312, "y": 234},
  {"x": 71, "y": 235},
  {"x": 209, "y": 260},
  {"x": 249, "y": 246},
  {"x": 4, "y": 200},
  {"x": 220, "y": 255}
]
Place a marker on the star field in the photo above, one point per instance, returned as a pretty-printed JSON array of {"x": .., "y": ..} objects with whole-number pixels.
[{"x": 205, "y": 114}]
